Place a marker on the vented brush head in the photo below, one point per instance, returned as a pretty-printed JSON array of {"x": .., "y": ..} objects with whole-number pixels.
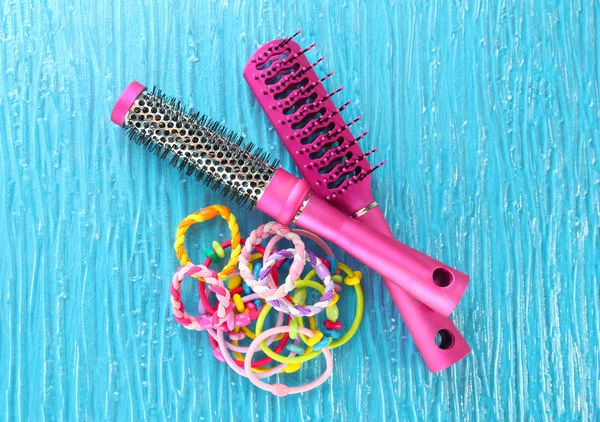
[
  {"x": 196, "y": 144},
  {"x": 310, "y": 124}
]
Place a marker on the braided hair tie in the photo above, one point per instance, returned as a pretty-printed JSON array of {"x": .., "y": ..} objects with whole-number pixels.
[
  {"x": 222, "y": 319},
  {"x": 264, "y": 290},
  {"x": 204, "y": 303},
  {"x": 284, "y": 304},
  {"x": 207, "y": 214}
]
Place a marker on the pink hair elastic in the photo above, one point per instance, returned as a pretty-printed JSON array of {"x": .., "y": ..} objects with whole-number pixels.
[
  {"x": 258, "y": 235},
  {"x": 224, "y": 351},
  {"x": 244, "y": 349},
  {"x": 270, "y": 248},
  {"x": 224, "y": 347},
  {"x": 282, "y": 390},
  {"x": 221, "y": 347},
  {"x": 224, "y": 312}
]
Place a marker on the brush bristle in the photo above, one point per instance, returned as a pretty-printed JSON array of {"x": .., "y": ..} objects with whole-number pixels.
[{"x": 200, "y": 146}]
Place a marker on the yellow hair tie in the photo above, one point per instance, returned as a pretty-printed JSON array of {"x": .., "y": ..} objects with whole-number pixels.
[{"x": 201, "y": 216}]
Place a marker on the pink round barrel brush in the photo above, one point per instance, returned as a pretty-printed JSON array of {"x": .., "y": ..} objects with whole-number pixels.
[
  {"x": 201, "y": 146},
  {"x": 331, "y": 161}
]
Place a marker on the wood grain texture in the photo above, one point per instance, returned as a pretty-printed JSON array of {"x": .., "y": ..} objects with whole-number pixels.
[{"x": 487, "y": 114}]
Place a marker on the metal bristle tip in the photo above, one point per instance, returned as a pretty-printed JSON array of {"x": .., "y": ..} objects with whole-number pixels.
[{"x": 200, "y": 147}]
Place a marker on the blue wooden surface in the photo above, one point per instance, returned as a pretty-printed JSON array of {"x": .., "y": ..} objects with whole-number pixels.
[{"x": 486, "y": 112}]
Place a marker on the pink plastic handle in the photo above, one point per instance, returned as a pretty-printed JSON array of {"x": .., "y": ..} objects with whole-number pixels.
[
  {"x": 414, "y": 271},
  {"x": 433, "y": 283},
  {"x": 424, "y": 324}
]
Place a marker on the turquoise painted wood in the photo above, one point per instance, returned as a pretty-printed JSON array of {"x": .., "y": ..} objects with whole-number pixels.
[{"x": 486, "y": 112}]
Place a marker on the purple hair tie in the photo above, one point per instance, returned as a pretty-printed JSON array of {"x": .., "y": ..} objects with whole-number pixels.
[{"x": 284, "y": 304}]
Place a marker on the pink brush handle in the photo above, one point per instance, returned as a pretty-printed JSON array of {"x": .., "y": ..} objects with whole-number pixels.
[
  {"x": 410, "y": 269},
  {"x": 418, "y": 274},
  {"x": 423, "y": 323}
]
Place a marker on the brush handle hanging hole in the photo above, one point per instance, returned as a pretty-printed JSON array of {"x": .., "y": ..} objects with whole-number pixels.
[
  {"x": 442, "y": 277},
  {"x": 444, "y": 339}
]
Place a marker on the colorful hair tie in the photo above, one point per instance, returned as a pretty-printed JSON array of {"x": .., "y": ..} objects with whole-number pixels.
[
  {"x": 239, "y": 349},
  {"x": 258, "y": 366},
  {"x": 261, "y": 233},
  {"x": 224, "y": 312},
  {"x": 281, "y": 390},
  {"x": 303, "y": 233},
  {"x": 284, "y": 304},
  {"x": 220, "y": 338},
  {"x": 206, "y": 214},
  {"x": 308, "y": 355},
  {"x": 239, "y": 302},
  {"x": 203, "y": 297},
  {"x": 283, "y": 339}
]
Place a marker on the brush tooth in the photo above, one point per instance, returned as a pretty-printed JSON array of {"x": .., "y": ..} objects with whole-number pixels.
[
  {"x": 340, "y": 150},
  {"x": 291, "y": 60},
  {"x": 322, "y": 119},
  {"x": 295, "y": 76},
  {"x": 324, "y": 78},
  {"x": 332, "y": 93},
  {"x": 375, "y": 168},
  {"x": 316, "y": 144},
  {"x": 283, "y": 83},
  {"x": 306, "y": 88},
  {"x": 341, "y": 189},
  {"x": 278, "y": 67},
  {"x": 288, "y": 39},
  {"x": 301, "y": 52},
  {"x": 301, "y": 112},
  {"x": 334, "y": 133},
  {"x": 353, "y": 180},
  {"x": 347, "y": 166},
  {"x": 272, "y": 48}
]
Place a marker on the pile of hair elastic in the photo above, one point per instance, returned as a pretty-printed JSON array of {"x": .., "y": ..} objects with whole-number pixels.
[{"x": 249, "y": 287}]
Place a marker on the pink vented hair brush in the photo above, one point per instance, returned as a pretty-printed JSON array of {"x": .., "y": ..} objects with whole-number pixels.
[
  {"x": 331, "y": 161},
  {"x": 203, "y": 147}
]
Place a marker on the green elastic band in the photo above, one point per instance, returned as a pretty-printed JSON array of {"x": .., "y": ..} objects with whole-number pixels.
[{"x": 341, "y": 341}]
